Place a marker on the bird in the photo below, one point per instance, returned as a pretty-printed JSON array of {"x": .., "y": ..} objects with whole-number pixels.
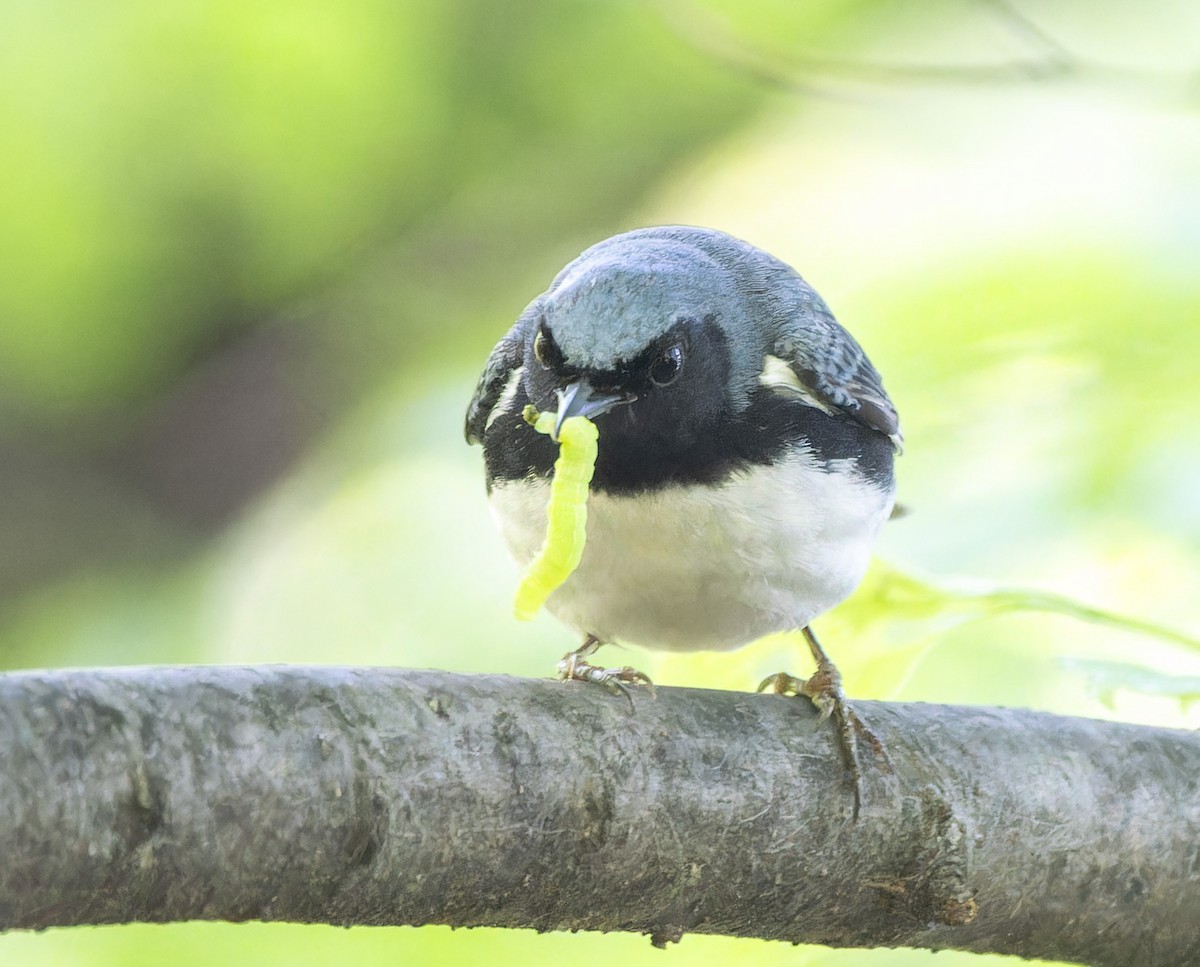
[{"x": 746, "y": 452}]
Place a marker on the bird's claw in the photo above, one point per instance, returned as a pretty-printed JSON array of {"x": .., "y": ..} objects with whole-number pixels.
[
  {"x": 824, "y": 690},
  {"x": 572, "y": 668}
]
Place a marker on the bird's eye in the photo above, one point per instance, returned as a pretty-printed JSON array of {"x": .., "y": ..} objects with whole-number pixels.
[
  {"x": 544, "y": 349},
  {"x": 665, "y": 369}
]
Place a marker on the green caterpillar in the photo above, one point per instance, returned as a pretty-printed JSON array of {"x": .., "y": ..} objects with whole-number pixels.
[{"x": 566, "y": 514}]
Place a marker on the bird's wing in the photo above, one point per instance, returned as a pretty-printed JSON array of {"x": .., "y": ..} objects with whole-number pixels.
[
  {"x": 833, "y": 367},
  {"x": 501, "y": 368}
]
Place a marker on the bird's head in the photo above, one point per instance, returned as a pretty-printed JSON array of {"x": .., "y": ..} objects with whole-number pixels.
[{"x": 637, "y": 336}]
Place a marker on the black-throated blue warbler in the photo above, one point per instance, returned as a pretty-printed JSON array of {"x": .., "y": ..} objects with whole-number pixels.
[{"x": 745, "y": 450}]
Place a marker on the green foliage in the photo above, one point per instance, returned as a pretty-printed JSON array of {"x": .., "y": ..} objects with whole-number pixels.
[
  {"x": 172, "y": 169},
  {"x": 1106, "y": 678},
  {"x": 173, "y": 173}
]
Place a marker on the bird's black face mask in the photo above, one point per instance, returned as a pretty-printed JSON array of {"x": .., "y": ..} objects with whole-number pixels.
[{"x": 656, "y": 411}]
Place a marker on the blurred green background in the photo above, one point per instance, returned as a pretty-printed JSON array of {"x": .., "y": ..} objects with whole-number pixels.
[{"x": 252, "y": 258}]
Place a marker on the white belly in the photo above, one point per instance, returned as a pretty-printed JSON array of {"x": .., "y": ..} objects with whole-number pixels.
[{"x": 707, "y": 567}]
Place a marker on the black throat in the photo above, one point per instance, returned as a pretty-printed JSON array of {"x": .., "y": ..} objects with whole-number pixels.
[{"x": 637, "y": 457}]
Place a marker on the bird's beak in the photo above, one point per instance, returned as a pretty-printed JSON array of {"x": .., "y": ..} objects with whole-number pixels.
[{"x": 582, "y": 399}]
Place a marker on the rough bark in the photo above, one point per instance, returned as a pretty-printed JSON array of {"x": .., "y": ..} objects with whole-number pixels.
[{"x": 384, "y": 796}]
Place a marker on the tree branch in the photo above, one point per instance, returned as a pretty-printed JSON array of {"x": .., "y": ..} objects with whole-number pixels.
[{"x": 383, "y": 796}]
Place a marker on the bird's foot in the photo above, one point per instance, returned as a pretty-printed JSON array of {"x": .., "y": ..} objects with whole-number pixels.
[
  {"x": 574, "y": 668},
  {"x": 824, "y": 690}
]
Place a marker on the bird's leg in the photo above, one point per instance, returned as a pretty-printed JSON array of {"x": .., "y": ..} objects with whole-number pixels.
[
  {"x": 574, "y": 667},
  {"x": 824, "y": 689}
]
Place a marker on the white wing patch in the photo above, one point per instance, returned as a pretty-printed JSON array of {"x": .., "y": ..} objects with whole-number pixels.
[
  {"x": 506, "y": 396},
  {"x": 780, "y": 378}
]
